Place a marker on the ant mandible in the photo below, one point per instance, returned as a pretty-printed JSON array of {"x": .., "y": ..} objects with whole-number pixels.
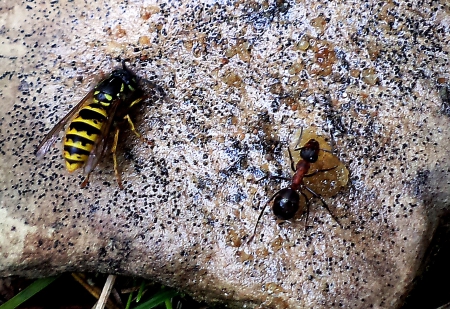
[{"x": 286, "y": 201}]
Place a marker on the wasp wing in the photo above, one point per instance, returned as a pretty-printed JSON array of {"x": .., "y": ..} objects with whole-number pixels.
[
  {"x": 52, "y": 136},
  {"x": 101, "y": 142}
]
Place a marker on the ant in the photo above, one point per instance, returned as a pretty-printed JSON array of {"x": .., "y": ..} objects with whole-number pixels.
[{"x": 286, "y": 201}]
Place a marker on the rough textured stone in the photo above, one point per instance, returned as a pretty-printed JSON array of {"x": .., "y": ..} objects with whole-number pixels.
[{"x": 241, "y": 79}]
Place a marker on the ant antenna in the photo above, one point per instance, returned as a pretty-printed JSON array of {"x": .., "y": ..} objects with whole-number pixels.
[
  {"x": 299, "y": 139},
  {"x": 296, "y": 148}
]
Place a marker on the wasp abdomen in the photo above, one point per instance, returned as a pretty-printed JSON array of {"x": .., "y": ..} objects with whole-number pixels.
[{"x": 82, "y": 135}]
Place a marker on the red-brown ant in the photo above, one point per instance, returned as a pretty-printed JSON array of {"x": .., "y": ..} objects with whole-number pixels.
[{"x": 286, "y": 202}]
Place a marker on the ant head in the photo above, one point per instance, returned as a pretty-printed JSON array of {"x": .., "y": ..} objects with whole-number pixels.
[{"x": 310, "y": 152}]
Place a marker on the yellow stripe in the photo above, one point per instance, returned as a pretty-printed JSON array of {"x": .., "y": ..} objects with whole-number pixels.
[
  {"x": 97, "y": 110},
  {"x": 74, "y": 166},
  {"x": 92, "y": 123},
  {"x": 75, "y": 156},
  {"x": 108, "y": 97},
  {"x": 92, "y": 137},
  {"x": 78, "y": 145}
]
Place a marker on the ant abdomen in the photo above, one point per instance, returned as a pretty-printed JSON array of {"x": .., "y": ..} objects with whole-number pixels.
[{"x": 286, "y": 204}]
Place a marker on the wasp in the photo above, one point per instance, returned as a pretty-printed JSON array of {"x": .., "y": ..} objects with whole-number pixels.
[{"x": 90, "y": 123}]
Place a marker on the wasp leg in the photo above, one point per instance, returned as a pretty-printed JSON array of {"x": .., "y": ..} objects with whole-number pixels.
[
  {"x": 133, "y": 129},
  {"x": 113, "y": 150},
  {"x": 85, "y": 181},
  {"x": 136, "y": 101}
]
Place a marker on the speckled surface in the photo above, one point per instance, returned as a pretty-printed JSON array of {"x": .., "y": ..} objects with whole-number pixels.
[{"x": 240, "y": 79}]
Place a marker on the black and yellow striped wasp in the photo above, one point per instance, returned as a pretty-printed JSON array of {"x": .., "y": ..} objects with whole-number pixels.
[{"x": 92, "y": 119}]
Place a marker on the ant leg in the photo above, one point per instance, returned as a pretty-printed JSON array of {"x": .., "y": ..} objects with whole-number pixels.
[
  {"x": 333, "y": 143},
  {"x": 329, "y": 151},
  {"x": 116, "y": 168},
  {"x": 280, "y": 177},
  {"x": 133, "y": 129},
  {"x": 260, "y": 215},
  {"x": 319, "y": 171},
  {"x": 264, "y": 178},
  {"x": 85, "y": 181},
  {"x": 307, "y": 208},
  {"x": 273, "y": 177},
  {"x": 324, "y": 204},
  {"x": 292, "y": 160},
  {"x": 334, "y": 150}
]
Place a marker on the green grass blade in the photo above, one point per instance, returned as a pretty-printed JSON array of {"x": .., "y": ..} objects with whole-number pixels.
[
  {"x": 130, "y": 298},
  {"x": 157, "y": 299},
  {"x": 141, "y": 291},
  {"x": 168, "y": 303},
  {"x": 28, "y": 292}
]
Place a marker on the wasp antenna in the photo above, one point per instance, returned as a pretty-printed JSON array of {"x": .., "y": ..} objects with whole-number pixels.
[{"x": 123, "y": 64}]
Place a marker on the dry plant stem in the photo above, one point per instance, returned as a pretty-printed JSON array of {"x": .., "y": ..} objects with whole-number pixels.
[
  {"x": 105, "y": 292},
  {"x": 93, "y": 290}
]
